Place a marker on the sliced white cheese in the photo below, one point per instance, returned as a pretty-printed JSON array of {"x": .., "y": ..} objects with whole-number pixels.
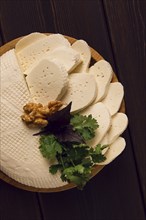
[
  {"x": 67, "y": 56},
  {"x": 83, "y": 48},
  {"x": 81, "y": 91},
  {"x": 28, "y": 55},
  {"x": 115, "y": 149},
  {"x": 13, "y": 85},
  {"x": 47, "y": 81},
  {"x": 114, "y": 97},
  {"x": 27, "y": 40},
  {"x": 101, "y": 114},
  {"x": 119, "y": 123},
  {"x": 103, "y": 73},
  {"x": 104, "y": 141}
]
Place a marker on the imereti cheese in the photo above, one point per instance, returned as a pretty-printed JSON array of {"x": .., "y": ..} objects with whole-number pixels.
[
  {"x": 119, "y": 123},
  {"x": 104, "y": 141},
  {"x": 67, "y": 56},
  {"x": 81, "y": 91},
  {"x": 13, "y": 85},
  {"x": 115, "y": 149},
  {"x": 103, "y": 73},
  {"x": 28, "y": 55},
  {"x": 83, "y": 48},
  {"x": 46, "y": 81},
  {"x": 101, "y": 114},
  {"x": 114, "y": 97},
  {"x": 27, "y": 40},
  {"x": 20, "y": 157}
]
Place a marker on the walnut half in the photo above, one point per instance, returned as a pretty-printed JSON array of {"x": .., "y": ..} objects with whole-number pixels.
[{"x": 36, "y": 114}]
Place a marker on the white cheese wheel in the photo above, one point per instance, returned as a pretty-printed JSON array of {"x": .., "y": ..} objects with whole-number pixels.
[
  {"x": 114, "y": 97},
  {"x": 36, "y": 50},
  {"x": 13, "y": 85},
  {"x": 27, "y": 40},
  {"x": 83, "y": 48},
  {"x": 103, "y": 73},
  {"x": 115, "y": 149},
  {"x": 46, "y": 81},
  {"x": 66, "y": 56},
  {"x": 101, "y": 114},
  {"x": 20, "y": 157},
  {"x": 119, "y": 123},
  {"x": 81, "y": 91}
]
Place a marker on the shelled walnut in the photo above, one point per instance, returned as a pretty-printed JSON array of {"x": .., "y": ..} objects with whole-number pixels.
[{"x": 36, "y": 114}]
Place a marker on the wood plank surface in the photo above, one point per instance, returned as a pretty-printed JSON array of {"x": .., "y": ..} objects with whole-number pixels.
[
  {"x": 131, "y": 59},
  {"x": 116, "y": 193},
  {"x": 17, "y": 204}
]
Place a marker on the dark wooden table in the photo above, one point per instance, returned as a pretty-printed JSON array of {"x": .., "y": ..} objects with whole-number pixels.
[{"x": 116, "y": 29}]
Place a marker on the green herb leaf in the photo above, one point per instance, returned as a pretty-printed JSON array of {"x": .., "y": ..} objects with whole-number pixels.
[
  {"x": 78, "y": 175},
  {"x": 54, "y": 168},
  {"x": 49, "y": 146},
  {"x": 84, "y": 125},
  {"x": 96, "y": 153}
]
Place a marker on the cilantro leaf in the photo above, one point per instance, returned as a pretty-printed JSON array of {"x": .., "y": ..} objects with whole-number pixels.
[
  {"x": 54, "y": 168},
  {"x": 96, "y": 153},
  {"x": 49, "y": 146},
  {"x": 84, "y": 125},
  {"x": 78, "y": 175}
]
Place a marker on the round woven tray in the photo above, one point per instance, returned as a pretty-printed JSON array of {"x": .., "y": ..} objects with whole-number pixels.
[{"x": 96, "y": 169}]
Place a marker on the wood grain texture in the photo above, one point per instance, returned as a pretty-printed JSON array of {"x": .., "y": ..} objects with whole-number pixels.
[
  {"x": 19, "y": 18},
  {"x": 129, "y": 47},
  {"x": 18, "y": 204}
]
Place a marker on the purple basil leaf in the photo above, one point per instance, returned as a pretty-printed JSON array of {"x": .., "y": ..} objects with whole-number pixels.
[
  {"x": 57, "y": 121},
  {"x": 68, "y": 135}
]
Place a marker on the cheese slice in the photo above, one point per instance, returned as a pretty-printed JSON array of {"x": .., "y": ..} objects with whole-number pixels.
[
  {"x": 66, "y": 56},
  {"x": 13, "y": 85},
  {"x": 115, "y": 149},
  {"x": 105, "y": 141},
  {"x": 81, "y": 91},
  {"x": 83, "y": 48},
  {"x": 114, "y": 97},
  {"x": 46, "y": 81},
  {"x": 28, "y": 55},
  {"x": 119, "y": 123},
  {"x": 103, "y": 73},
  {"x": 27, "y": 40},
  {"x": 101, "y": 114}
]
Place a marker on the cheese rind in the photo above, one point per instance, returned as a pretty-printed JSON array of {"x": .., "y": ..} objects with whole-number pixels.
[
  {"x": 83, "y": 48},
  {"x": 119, "y": 123},
  {"x": 114, "y": 97},
  {"x": 101, "y": 114},
  {"x": 47, "y": 81},
  {"x": 103, "y": 73},
  {"x": 115, "y": 149},
  {"x": 81, "y": 91}
]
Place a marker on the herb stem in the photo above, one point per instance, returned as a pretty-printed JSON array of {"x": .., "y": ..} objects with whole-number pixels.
[
  {"x": 72, "y": 162},
  {"x": 62, "y": 162}
]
